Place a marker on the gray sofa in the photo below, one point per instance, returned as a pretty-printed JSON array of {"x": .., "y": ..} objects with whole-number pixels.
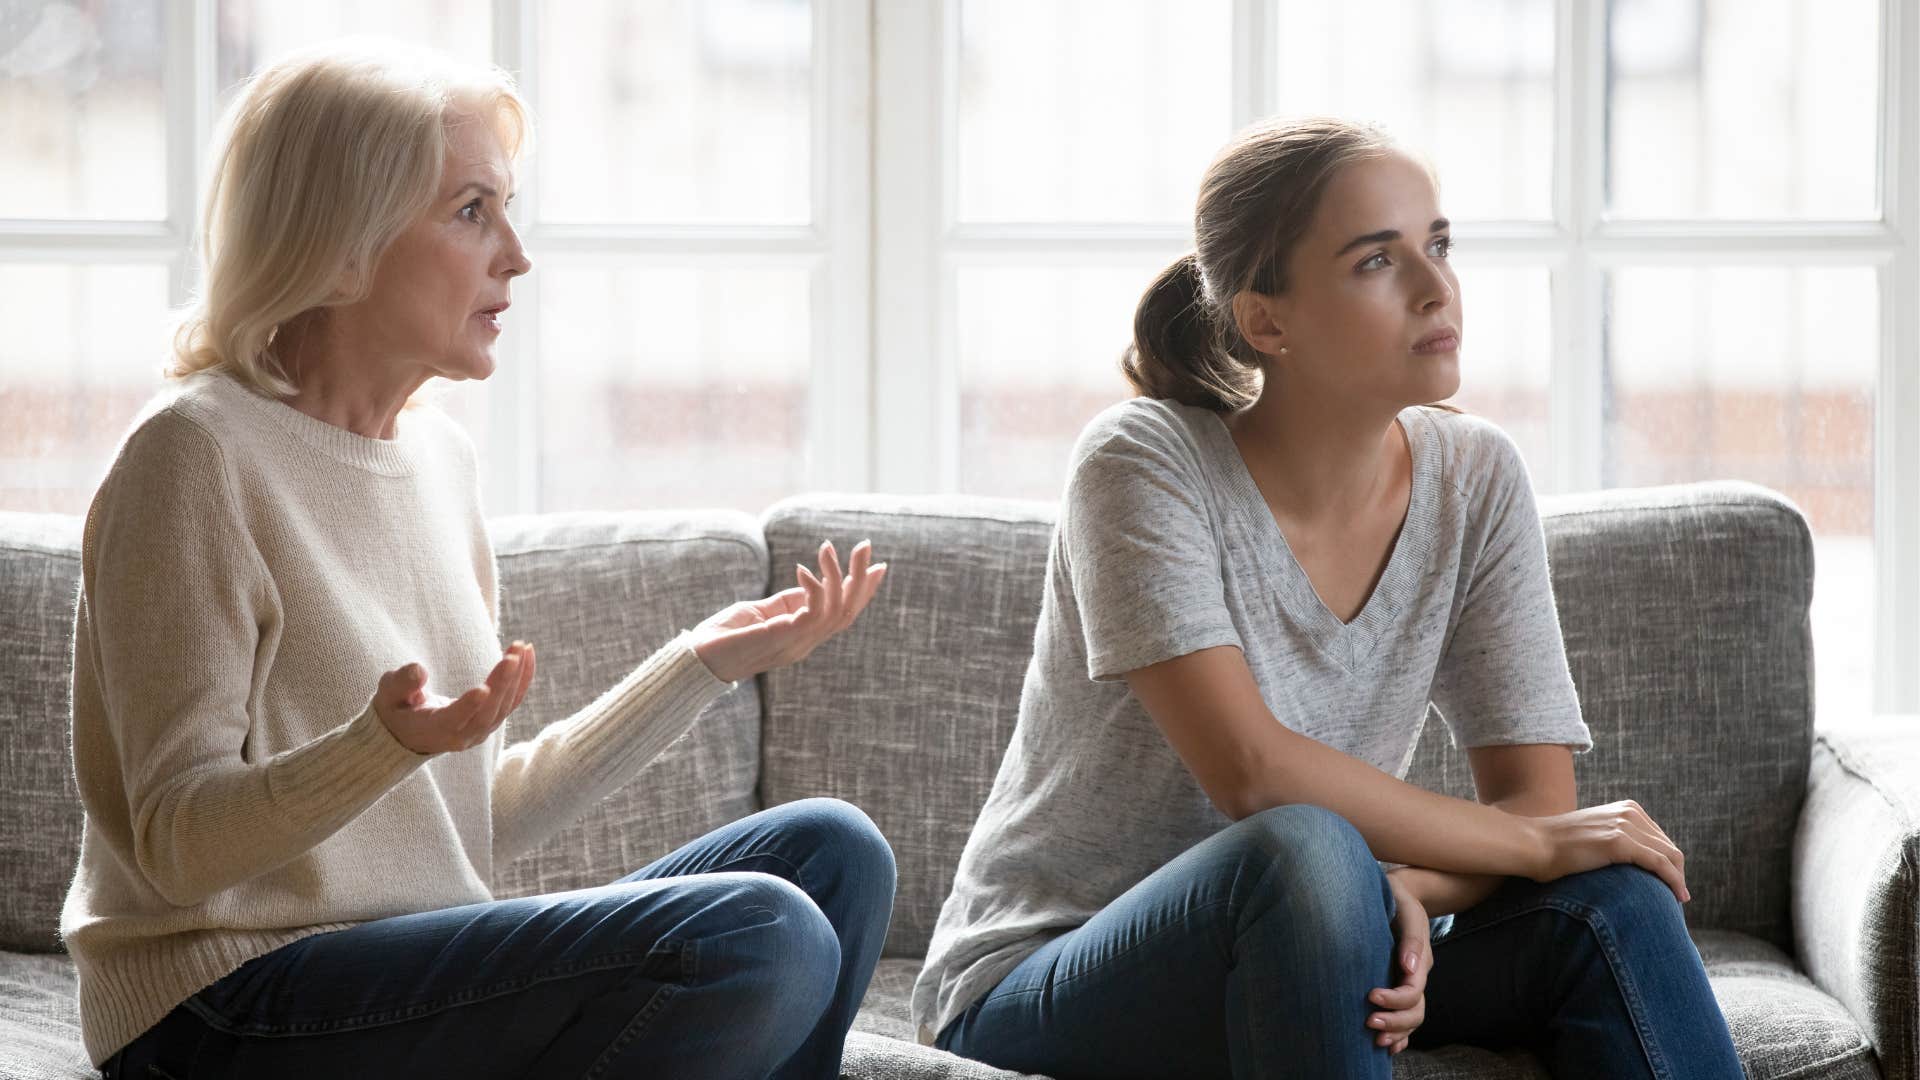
[{"x": 1685, "y": 616}]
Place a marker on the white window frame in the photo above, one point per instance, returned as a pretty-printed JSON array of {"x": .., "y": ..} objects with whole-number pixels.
[
  {"x": 920, "y": 243},
  {"x": 884, "y": 245}
]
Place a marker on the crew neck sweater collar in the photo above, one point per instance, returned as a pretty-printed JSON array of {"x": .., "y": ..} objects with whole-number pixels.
[{"x": 384, "y": 457}]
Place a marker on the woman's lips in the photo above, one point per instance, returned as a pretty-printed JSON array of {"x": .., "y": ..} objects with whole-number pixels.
[{"x": 1445, "y": 341}]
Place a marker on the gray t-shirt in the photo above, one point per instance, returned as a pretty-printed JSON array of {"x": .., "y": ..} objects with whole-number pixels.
[{"x": 1164, "y": 546}]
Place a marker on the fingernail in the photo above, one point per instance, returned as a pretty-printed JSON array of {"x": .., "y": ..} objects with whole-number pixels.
[
  {"x": 1377, "y": 1022},
  {"x": 1410, "y": 960}
]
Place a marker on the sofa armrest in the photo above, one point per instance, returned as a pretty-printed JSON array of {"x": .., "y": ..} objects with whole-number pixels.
[{"x": 1856, "y": 881}]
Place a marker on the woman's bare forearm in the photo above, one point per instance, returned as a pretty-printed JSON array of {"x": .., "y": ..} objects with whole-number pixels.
[
  {"x": 1444, "y": 893},
  {"x": 1401, "y": 822}
]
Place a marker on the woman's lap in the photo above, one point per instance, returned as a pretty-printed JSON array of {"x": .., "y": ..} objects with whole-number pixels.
[
  {"x": 697, "y": 963},
  {"x": 1593, "y": 971}
]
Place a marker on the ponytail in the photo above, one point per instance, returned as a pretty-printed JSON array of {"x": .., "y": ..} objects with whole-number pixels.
[{"x": 1177, "y": 352}]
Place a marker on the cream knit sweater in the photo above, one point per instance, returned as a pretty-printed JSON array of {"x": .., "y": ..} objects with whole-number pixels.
[{"x": 248, "y": 573}]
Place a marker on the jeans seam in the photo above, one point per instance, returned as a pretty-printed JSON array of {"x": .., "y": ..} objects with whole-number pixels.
[
  {"x": 1603, "y": 934},
  {"x": 657, "y": 1004},
  {"x": 414, "y": 1011}
]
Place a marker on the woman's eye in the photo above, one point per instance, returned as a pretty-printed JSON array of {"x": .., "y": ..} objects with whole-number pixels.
[
  {"x": 1373, "y": 261},
  {"x": 471, "y": 211},
  {"x": 1441, "y": 247}
]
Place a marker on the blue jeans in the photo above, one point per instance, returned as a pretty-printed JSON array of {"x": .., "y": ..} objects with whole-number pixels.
[
  {"x": 1251, "y": 955},
  {"x": 743, "y": 954}
]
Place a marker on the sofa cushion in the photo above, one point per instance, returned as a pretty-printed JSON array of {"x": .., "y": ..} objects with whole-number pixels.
[
  {"x": 1684, "y": 611},
  {"x": 40, "y": 815},
  {"x": 40, "y": 1019},
  {"x": 1782, "y": 1025},
  {"x": 595, "y": 594},
  {"x": 906, "y": 714}
]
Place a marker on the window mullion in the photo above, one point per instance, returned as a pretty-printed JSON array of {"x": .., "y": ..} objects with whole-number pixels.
[
  {"x": 840, "y": 399},
  {"x": 512, "y": 473},
  {"x": 914, "y": 443},
  {"x": 1579, "y": 316},
  {"x": 1896, "y": 495}
]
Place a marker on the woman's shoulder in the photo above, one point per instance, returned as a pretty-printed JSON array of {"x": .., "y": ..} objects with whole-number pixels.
[
  {"x": 1143, "y": 426},
  {"x": 182, "y": 419},
  {"x": 1473, "y": 454}
]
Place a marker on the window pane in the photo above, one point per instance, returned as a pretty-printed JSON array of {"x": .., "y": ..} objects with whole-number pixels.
[
  {"x": 73, "y": 377},
  {"x": 667, "y": 387},
  {"x": 1768, "y": 375},
  {"x": 254, "y": 33},
  {"x": 1743, "y": 108},
  {"x": 1091, "y": 110},
  {"x": 83, "y": 109},
  {"x": 1505, "y": 357},
  {"x": 676, "y": 111},
  {"x": 1478, "y": 103},
  {"x": 1039, "y": 356}
]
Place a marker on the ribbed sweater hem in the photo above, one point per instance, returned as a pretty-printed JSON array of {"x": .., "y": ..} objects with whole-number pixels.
[{"x": 129, "y": 990}]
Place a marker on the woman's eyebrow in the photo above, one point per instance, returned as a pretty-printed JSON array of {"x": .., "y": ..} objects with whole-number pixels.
[{"x": 1439, "y": 225}]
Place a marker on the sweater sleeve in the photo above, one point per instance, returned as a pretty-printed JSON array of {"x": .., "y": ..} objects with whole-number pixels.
[
  {"x": 544, "y": 784},
  {"x": 173, "y": 598}
]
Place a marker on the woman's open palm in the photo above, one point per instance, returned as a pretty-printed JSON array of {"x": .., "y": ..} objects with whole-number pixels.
[
  {"x": 430, "y": 724},
  {"x": 753, "y": 636}
]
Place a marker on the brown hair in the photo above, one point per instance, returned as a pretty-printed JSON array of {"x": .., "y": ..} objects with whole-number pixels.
[{"x": 1256, "y": 202}]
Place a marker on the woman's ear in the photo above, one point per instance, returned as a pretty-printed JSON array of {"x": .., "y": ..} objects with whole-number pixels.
[{"x": 1258, "y": 320}]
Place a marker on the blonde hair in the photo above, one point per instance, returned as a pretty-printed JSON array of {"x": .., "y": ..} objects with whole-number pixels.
[{"x": 324, "y": 158}]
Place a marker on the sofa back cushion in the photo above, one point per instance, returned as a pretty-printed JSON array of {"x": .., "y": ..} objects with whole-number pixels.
[
  {"x": 39, "y": 805},
  {"x": 906, "y": 714},
  {"x": 1684, "y": 612},
  {"x": 595, "y": 594}
]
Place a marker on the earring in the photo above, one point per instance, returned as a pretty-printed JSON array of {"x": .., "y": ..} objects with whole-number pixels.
[{"x": 1283, "y": 350}]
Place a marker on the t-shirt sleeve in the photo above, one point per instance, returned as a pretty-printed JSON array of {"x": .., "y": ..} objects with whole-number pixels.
[
  {"x": 1140, "y": 551},
  {"x": 1503, "y": 677}
]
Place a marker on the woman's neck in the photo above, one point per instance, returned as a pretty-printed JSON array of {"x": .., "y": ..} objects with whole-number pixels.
[
  {"x": 1315, "y": 460},
  {"x": 344, "y": 384}
]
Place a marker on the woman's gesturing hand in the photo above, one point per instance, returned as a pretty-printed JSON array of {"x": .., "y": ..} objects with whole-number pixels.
[
  {"x": 754, "y": 636},
  {"x": 429, "y": 724},
  {"x": 1600, "y": 836},
  {"x": 1404, "y": 1008}
]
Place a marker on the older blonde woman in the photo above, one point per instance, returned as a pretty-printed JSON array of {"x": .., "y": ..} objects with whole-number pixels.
[{"x": 288, "y": 687}]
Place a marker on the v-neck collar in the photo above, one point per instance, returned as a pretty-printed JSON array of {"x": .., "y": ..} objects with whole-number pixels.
[{"x": 1348, "y": 644}]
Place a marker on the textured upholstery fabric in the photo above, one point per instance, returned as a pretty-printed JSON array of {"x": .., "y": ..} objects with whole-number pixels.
[
  {"x": 40, "y": 1019},
  {"x": 1685, "y": 616},
  {"x": 907, "y": 713},
  {"x": 1856, "y": 882},
  {"x": 39, "y": 805},
  {"x": 1782, "y": 1024},
  {"x": 596, "y": 594}
]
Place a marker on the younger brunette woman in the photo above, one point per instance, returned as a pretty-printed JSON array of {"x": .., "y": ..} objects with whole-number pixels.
[{"x": 1268, "y": 567}]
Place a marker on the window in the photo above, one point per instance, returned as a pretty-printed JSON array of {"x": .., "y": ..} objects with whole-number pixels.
[{"x": 785, "y": 245}]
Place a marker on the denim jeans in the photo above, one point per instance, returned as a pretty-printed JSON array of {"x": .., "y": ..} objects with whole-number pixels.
[
  {"x": 1251, "y": 955},
  {"x": 743, "y": 954}
]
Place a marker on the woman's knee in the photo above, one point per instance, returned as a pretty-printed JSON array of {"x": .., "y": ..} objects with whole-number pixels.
[
  {"x": 844, "y": 836},
  {"x": 1623, "y": 894},
  {"x": 1311, "y": 863},
  {"x": 768, "y": 946}
]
